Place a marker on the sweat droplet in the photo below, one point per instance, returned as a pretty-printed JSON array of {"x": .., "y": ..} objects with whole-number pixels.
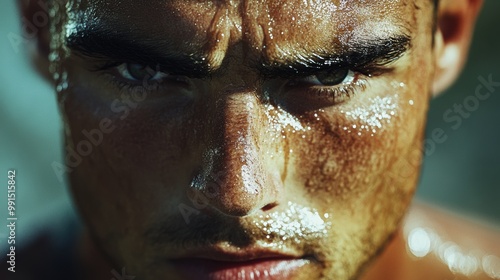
[
  {"x": 380, "y": 110},
  {"x": 63, "y": 23},
  {"x": 296, "y": 224}
]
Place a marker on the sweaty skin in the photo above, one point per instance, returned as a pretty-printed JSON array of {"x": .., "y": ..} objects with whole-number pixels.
[{"x": 227, "y": 162}]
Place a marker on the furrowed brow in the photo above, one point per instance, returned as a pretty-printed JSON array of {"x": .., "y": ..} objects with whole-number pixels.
[
  {"x": 374, "y": 52},
  {"x": 121, "y": 47}
]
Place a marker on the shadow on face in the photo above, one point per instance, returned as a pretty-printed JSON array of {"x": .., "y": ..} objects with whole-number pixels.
[{"x": 202, "y": 128}]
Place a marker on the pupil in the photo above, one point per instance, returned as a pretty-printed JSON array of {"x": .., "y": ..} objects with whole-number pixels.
[
  {"x": 331, "y": 78},
  {"x": 140, "y": 72}
]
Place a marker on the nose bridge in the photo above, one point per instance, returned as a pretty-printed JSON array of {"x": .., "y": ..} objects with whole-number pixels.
[
  {"x": 241, "y": 143},
  {"x": 244, "y": 184}
]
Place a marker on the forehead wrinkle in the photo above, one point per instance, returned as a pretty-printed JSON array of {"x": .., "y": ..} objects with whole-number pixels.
[
  {"x": 233, "y": 19},
  {"x": 218, "y": 37},
  {"x": 192, "y": 26},
  {"x": 281, "y": 30},
  {"x": 216, "y": 23},
  {"x": 224, "y": 31},
  {"x": 338, "y": 44}
]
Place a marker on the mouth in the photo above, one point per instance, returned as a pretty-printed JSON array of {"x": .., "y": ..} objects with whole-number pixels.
[
  {"x": 240, "y": 265},
  {"x": 272, "y": 269}
]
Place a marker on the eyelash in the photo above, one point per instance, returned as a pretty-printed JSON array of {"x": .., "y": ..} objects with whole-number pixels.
[
  {"x": 344, "y": 92},
  {"x": 338, "y": 93},
  {"x": 109, "y": 70}
]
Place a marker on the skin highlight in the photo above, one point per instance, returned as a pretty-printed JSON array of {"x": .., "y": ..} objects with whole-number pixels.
[
  {"x": 239, "y": 133},
  {"x": 219, "y": 153}
]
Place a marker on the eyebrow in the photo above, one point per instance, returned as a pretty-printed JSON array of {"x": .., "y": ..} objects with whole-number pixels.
[
  {"x": 120, "y": 47},
  {"x": 363, "y": 53}
]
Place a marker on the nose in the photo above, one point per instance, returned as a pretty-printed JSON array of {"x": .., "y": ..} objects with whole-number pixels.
[{"x": 237, "y": 177}]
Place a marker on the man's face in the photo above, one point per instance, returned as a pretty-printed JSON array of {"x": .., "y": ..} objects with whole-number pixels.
[{"x": 283, "y": 135}]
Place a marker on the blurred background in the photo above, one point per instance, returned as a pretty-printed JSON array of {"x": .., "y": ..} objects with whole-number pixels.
[{"x": 461, "y": 174}]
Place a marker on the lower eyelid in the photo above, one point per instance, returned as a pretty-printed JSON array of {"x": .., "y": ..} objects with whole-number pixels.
[
  {"x": 124, "y": 84},
  {"x": 160, "y": 88},
  {"x": 337, "y": 95}
]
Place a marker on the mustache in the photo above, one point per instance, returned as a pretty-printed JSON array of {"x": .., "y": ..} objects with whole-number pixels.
[{"x": 296, "y": 227}]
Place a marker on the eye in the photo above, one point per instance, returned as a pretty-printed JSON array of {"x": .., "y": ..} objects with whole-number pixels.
[
  {"x": 324, "y": 89},
  {"x": 330, "y": 78},
  {"x": 139, "y": 72}
]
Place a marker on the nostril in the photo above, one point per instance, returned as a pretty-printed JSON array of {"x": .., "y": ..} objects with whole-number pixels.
[{"x": 269, "y": 206}]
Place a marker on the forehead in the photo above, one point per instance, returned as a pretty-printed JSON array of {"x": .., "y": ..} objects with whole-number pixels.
[{"x": 272, "y": 27}]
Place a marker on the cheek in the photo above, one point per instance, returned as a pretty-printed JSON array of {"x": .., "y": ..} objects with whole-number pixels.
[
  {"x": 355, "y": 153},
  {"x": 128, "y": 154},
  {"x": 128, "y": 130}
]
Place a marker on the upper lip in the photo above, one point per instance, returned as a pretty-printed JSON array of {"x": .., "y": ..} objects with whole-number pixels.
[{"x": 233, "y": 254}]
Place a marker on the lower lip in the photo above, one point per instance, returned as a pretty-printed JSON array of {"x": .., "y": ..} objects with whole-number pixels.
[{"x": 271, "y": 269}]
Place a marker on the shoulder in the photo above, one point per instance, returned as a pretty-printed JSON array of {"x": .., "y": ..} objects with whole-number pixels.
[{"x": 452, "y": 245}]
